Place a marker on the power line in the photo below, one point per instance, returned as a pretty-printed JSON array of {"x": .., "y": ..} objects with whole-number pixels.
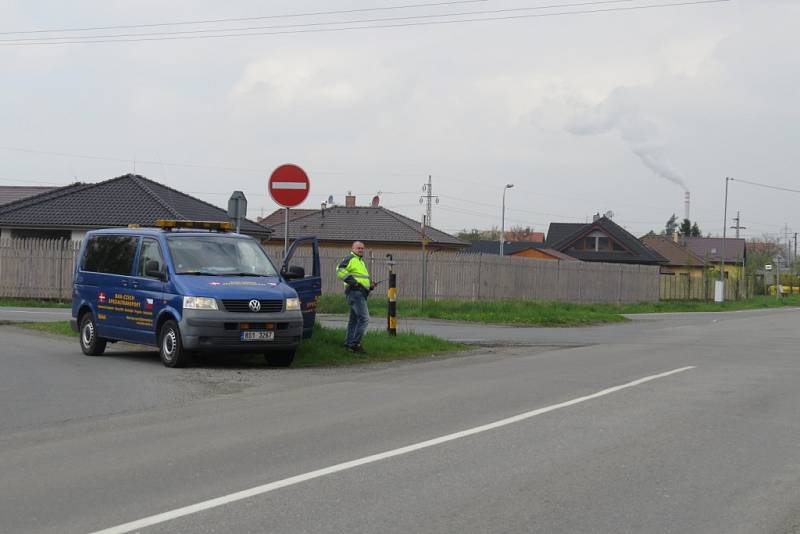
[
  {"x": 244, "y": 19},
  {"x": 316, "y": 24},
  {"x": 510, "y": 209},
  {"x": 778, "y": 188},
  {"x": 374, "y": 27}
]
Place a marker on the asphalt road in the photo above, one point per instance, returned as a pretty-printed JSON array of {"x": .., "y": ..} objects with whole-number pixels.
[{"x": 701, "y": 436}]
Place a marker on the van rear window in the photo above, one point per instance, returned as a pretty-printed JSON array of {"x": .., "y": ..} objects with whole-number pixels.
[{"x": 111, "y": 254}]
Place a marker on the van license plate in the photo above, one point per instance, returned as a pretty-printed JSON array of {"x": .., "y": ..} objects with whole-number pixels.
[{"x": 251, "y": 335}]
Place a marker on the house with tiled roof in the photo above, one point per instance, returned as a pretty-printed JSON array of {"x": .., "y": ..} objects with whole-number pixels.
[
  {"x": 710, "y": 249},
  {"x": 680, "y": 259},
  {"x": 12, "y": 193},
  {"x": 69, "y": 212},
  {"x": 602, "y": 240},
  {"x": 522, "y": 249},
  {"x": 378, "y": 227}
]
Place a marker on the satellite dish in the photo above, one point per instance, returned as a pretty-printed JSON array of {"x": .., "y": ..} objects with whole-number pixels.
[
  {"x": 609, "y": 214},
  {"x": 330, "y": 200}
]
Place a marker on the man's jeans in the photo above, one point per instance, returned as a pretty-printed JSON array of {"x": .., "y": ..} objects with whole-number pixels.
[{"x": 359, "y": 317}]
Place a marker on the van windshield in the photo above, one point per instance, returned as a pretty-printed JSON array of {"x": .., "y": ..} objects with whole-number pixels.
[{"x": 215, "y": 255}]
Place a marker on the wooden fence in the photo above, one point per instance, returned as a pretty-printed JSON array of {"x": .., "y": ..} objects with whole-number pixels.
[
  {"x": 480, "y": 276},
  {"x": 679, "y": 287},
  {"x": 43, "y": 268},
  {"x": 37, "y": 268}
]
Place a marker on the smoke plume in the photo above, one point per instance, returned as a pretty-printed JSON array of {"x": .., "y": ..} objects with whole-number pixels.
[{"x": 619, "y": 114}]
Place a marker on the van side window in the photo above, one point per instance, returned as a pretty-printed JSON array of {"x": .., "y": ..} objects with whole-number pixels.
[
  {"x": 150, "y": 252},
  {"x": 111, "y": 254}
]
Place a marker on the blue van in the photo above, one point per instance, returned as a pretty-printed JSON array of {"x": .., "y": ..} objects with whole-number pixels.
[{"x": 187, "y": 286}]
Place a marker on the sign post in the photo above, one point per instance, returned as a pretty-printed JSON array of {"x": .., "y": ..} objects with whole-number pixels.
[
  {"x": 237, "y": 208},
  {"x": 778, "y": 261},
  {"x": 288, "y": 186}
]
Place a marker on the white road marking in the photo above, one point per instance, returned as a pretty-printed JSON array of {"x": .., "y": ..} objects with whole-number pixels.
[
  {"x": 289, "y": 185},
  {"x": 272, "y": 486}
]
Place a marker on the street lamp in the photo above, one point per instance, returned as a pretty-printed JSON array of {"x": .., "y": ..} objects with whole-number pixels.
[
  {"x": 503, "y": 219},
  {"x": 719, "y": 291}
]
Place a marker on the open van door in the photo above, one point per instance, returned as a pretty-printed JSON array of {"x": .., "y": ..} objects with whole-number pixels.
[{"x": 304, "y": 275}]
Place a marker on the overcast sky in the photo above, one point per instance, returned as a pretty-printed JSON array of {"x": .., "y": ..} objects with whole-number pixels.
[{"x": 615, "y": 110}]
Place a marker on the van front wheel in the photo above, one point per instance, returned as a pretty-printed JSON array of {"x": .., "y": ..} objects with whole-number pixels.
[
  {"x": 91, "y": 343},
  {"x": 170, "y": 346}
]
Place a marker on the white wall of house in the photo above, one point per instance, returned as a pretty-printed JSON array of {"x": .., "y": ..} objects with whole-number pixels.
[
  {"x": 5, "y": 233},
  {"x": 78, "y": 235}
]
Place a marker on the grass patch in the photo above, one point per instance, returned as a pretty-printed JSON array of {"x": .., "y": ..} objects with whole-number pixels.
[
  {"x": 515, "y": 312},
  {"x": 518, "y": 312},
  {"x": 705, "y": 306},
  {"x": 9, "y": 302},
  {"x": 325, "y": 349},
  {"x": 52, "y": 327}
]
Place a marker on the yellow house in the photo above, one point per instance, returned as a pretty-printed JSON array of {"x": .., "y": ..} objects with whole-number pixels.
[{"x": 710, "y": 250}]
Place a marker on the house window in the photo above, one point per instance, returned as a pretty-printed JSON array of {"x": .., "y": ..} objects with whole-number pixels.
[{"x": 597, "y": 241}]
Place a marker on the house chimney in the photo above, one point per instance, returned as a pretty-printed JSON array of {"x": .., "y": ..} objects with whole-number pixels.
[
  {"x": 595, "y": 217},
  {"x": 322, "y": 209},
  {"x": 376, "y": 201},
  {"x": 350, "y": 200}
]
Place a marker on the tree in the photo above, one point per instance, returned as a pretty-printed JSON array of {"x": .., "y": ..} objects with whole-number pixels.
[
  {"x": 519, "y": 233},
  {"x": 689, "y": 229},
  {"x": 685, "y": 228},
  {"x": 761, "y": 251},
  {"x": 479, "y": 235},
  {"x": 469, "y": 235},
  {"x": 515, "y": 233},
  {"x": 671, "y": 225}
]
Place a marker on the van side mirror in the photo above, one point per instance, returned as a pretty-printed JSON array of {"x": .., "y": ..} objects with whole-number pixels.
[
  {"x": 153, "y": 270},
  {"x": 293, "y": 272}
]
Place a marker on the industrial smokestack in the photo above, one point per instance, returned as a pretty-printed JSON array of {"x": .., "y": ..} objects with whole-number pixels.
[{"x": 686, "y": 203}]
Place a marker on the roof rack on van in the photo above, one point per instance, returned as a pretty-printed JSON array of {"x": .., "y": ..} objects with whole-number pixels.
[{"x": 172, "y": 224}]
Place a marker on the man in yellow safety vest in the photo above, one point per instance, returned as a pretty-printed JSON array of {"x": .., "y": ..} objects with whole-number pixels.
[{"x": 353, "y": 272}]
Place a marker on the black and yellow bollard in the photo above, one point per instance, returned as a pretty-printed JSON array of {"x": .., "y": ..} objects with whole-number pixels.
[{"x": 391, "y": 320}]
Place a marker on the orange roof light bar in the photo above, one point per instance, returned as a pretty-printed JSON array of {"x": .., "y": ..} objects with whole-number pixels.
[{"x": 172, "y": 224}]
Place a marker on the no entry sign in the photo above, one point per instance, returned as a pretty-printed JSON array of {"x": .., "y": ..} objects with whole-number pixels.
[{"x": 288, "y": 185}]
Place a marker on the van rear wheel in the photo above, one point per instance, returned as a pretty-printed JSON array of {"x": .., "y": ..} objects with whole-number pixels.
[
  {"x": 91, "y": 343},
  {"x": 170, "y": 346},
  {"x": 280, "y": 358}
]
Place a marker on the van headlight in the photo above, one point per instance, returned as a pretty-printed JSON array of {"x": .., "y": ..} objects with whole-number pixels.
[
  {"x": 199, "y": 303},
  {"x": 292, "y": 304}
]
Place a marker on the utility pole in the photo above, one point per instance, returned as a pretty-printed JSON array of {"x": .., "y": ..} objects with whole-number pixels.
[
  {"x": 788, "y": 241},
  {"x": 430, "y": 197},
  {"x": 738, "y": 225},
  {"x": 719, "y": 292},
  {"x": 794, "y": 257}
]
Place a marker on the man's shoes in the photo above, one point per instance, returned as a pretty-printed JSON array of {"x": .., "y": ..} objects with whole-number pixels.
[{"x": 357, "y": 348}]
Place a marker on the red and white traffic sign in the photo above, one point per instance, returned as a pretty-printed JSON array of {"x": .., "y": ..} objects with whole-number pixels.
[{"x": 289, "y": 185}]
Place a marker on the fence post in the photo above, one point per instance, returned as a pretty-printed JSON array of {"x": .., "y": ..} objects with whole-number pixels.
[
  {"x": 60, "y": 269},
  {"x": 480, "y": 266}
]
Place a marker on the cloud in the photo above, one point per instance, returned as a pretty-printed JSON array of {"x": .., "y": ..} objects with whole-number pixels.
[{"x": 281, "y": 82}]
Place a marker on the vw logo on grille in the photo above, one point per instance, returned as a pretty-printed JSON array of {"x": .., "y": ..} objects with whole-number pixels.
[{"x": 254, "y": 305}]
